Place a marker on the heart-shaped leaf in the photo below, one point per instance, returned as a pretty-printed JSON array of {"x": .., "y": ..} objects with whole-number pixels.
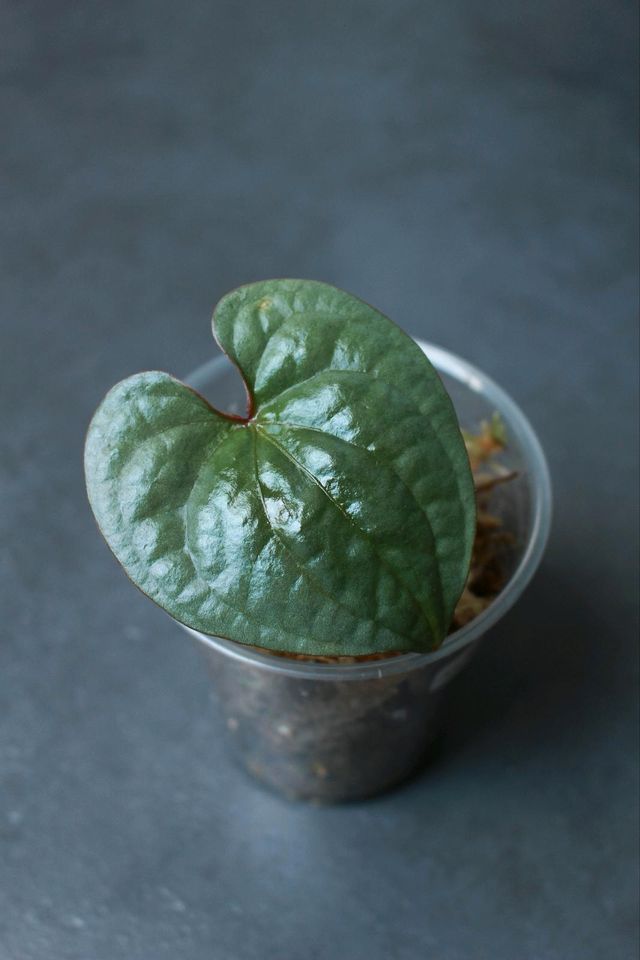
[{"x": 338, "y": 518}]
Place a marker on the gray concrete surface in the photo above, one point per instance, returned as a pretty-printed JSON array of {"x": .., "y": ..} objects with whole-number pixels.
[{"x": 469, "y": 168}]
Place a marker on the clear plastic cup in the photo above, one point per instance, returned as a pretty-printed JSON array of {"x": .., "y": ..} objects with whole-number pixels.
[{"x": 335, "y": 732}]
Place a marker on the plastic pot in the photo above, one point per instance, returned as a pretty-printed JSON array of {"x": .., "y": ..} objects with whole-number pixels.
[{"x": 335, "y": 732}]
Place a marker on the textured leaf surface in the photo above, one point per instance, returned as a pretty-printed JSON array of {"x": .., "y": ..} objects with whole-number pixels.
[{"x": 337, "y": 519}]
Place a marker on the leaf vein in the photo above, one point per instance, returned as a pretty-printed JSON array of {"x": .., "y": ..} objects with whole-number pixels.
[
  {"x": 350, "y": 520},
  {"x": 302, "y": 567},
  {"x": 370, "y": 453}
]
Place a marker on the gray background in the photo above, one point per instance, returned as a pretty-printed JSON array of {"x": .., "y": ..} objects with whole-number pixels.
[{"x": 470, "y": 169}]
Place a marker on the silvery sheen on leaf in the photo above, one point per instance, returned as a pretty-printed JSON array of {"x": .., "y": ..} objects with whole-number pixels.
[{"x": 337, "y": 519}]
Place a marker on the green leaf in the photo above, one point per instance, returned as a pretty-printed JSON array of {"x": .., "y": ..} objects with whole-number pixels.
[{"x": 338, "y": 518}]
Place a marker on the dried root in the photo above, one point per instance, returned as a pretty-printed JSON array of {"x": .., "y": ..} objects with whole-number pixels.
[{"x": 486, "y": 575}]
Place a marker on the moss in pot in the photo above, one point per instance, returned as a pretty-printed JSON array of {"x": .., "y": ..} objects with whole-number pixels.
[{"x": 334, "y": 522}]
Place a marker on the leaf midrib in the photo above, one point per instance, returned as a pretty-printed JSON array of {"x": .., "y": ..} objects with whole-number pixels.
[
  {"x": 370, "y": 453},
  {"x": 299, "y": 563},
  {"x": 370, "y": 375},
  {"x": 350, "y": 519}
]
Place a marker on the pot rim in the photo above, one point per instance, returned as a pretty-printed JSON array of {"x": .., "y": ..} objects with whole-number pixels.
[{"x": 541, "y": 510}]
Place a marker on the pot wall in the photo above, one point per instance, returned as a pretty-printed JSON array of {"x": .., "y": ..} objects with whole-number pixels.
[{"x": 330, "y": 740}]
